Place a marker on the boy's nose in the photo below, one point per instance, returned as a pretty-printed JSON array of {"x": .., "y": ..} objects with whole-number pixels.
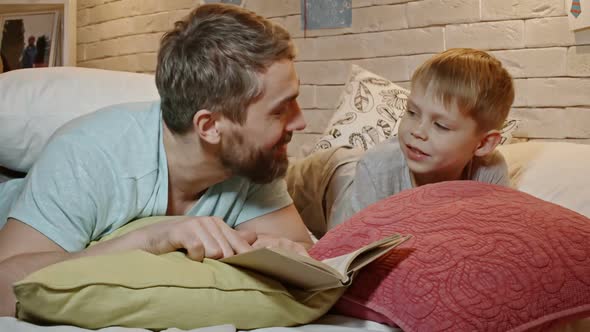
[{"x": 419, "y": 132}]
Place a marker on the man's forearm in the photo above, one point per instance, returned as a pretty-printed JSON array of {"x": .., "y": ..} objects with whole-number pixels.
[{"x": 18, "y": 267}]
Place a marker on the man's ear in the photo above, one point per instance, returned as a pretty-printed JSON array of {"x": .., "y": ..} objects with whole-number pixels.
[
  {"x": 206, "y": 125},
  {"x": 488, "y": 143}
]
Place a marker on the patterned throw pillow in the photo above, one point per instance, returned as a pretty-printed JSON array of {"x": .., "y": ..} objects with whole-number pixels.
[{"x": 369, "y": 111}]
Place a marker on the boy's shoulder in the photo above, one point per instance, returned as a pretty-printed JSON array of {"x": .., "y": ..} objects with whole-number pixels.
[
  {"x": 491, "y": 169},
  {"x": 387, "y": 153},
  {"x": 494, "y": 159}
]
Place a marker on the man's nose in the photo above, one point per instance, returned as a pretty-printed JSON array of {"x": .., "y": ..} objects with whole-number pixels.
[{"x": 297, "y": 121}]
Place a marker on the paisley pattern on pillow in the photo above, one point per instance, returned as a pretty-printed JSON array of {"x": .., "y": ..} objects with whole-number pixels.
[{"x": 368, "y": 112}]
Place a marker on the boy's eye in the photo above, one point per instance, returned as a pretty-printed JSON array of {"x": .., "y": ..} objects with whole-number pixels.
[
  {"x": 440, "y": 126},
  {"x": 410, "y": 112}
]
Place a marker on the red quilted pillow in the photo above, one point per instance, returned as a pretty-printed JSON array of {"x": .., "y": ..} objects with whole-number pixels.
[{"x": 482, "y": 258}]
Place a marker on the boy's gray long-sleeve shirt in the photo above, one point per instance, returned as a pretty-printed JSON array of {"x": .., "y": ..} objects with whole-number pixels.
[{"x": 383, "y": 171}]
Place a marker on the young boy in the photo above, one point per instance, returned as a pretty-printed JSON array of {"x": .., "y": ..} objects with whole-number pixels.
[{"x": 459, "y": 100}]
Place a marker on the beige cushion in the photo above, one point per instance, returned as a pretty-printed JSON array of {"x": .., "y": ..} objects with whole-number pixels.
[
  {"x": 138, "y": 289},
  {"x": 553, "y": 171},
  {"x": 368, "y": 112}
]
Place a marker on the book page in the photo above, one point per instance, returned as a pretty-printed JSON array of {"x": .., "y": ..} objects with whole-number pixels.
[
  {"x": 308, "y": 273},
  {"x": 303, "y": 272},
  {"x": 345, "y": 264}
]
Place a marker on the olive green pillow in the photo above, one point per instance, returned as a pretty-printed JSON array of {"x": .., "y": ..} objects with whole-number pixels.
[{"x": 142, "y": 290}]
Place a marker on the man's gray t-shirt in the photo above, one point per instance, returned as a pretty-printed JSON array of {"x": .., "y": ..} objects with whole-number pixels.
[
  {"x": 383, "y": 171},
  {"x": 104, "y": 169}
]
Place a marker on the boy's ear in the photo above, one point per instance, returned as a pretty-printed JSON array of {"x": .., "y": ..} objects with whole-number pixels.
[
  {"x": 488, "y": 143},
  {"x": 206, "y": 124}
]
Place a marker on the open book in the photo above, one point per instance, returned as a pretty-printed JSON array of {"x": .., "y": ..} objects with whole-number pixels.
[{"x": 309, "y": 274}]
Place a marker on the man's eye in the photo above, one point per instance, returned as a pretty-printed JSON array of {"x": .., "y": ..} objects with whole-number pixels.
[{"x": 410, "y": 113}]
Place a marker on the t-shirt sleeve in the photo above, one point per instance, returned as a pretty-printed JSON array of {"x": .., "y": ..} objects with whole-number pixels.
[
  {"x": 364, "y": 190},
  {"x": 493, "y": 169},
  {"x": 63, "y": 193},
  {"x": 263, "y": 199},
  {"x": 379, "y": 175}
]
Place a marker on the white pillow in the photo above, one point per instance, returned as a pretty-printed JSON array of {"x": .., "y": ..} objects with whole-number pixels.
[
  {"x": 553, "y": 171},
  {"x": 368, "y": 112},
  {"x": 35, "y": 102}
]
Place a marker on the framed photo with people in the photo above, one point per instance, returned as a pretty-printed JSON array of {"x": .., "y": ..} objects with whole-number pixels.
[{"x": 30, "y": 39}]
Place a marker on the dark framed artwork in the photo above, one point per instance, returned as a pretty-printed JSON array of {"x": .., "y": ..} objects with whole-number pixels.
[{"x": 29, "y": 40}]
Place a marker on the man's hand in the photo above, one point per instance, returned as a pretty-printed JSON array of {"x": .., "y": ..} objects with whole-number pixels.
[
  {"x": 200, "y": 237},
  {"x": 268, "y": 241}
]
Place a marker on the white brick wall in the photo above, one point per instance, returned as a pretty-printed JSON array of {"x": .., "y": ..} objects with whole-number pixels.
[
  {"x": 125, "y": 34},
  {"x": 550, "y": 63},
  {"x": 493, "y": 10}
]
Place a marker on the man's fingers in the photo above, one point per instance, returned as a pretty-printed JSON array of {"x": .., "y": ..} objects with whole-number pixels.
[
  {"x": 248, "y": 236},
  {"x": 280, "y": 243},
  {"x": 236, "y": 241},
  {"x": 195, "y": 252},
  {"x": 222, "y": 242},
  {"x": 258, "y": 245},
  {"x": 201, "y": 233},
  {"x": 301, "y": 250}
]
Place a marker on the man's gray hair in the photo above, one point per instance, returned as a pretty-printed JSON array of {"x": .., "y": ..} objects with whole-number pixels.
[{"x": 212, "y": 60}]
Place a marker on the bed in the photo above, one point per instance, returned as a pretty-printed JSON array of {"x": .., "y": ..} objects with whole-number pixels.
[
  {"x": 26, "y": 123},
  {"x": 329, "y": 323}
]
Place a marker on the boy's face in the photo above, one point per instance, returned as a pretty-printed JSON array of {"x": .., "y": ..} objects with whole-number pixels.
[{"x": 438, "y": 142}]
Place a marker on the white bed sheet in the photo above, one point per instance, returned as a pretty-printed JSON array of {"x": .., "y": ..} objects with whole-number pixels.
[{"x": 328, "y": 323}]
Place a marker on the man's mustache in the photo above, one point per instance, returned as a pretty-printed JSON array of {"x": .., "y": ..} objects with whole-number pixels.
[{"x": 286, "y": 139}]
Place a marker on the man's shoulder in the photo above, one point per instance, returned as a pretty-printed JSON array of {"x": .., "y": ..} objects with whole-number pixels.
[
  {"x": 111, "y": 125},
  {"x": 114, "y": 117},
  {"x": 127, "y": 135}
]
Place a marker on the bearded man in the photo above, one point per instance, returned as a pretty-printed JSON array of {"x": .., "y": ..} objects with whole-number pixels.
[{"x": 212, "y": 152}]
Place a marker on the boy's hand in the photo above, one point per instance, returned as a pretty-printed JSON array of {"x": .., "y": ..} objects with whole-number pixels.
[
  {"x": 200, "y": 237},
  {"x": 267, "y": 241}
]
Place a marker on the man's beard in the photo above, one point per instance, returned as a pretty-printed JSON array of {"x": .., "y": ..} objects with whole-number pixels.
[{"x": 255, "y": 164}]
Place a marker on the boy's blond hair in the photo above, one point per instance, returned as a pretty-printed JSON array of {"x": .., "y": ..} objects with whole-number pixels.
[{"x": 474, "y": 80}]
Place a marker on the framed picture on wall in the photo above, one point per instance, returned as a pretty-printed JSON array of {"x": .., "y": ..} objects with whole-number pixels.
[
  {"x": 29, "y": 39},
  {"x": 578, "y": 12}
]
